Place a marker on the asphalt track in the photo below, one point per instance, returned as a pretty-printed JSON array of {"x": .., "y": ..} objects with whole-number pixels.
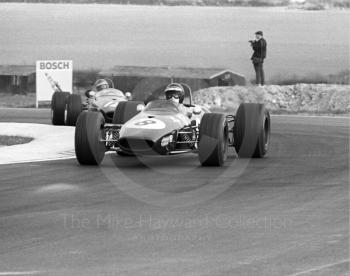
[{"x": 287, "y": 214}]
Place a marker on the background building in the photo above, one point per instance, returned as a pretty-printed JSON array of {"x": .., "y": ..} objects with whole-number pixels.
[
  {"x": 143, "y": 81},
  {"x": 17, "y": 79}
]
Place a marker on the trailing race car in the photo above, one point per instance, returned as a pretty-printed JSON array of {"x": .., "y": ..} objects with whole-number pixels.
[
  {"x": 66, "y": 107},
  {"x": 160, "y": 127}
]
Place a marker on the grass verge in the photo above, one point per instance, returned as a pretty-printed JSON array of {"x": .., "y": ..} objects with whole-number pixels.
[
  {"x": 9, "y": 100},
  {"x": 14, "y": 140}
]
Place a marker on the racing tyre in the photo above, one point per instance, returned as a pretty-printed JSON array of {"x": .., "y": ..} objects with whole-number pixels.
[
  {"x": 124, "y": 154},
  {"x": 252, "y": 130},
  {"x": 58, "y": 107},
  {"x": 74, "y": 108},
  {"x": 125, "y": 111},
  {"x": 213, "y": 139},
  {"x": 89, "y": 149}
]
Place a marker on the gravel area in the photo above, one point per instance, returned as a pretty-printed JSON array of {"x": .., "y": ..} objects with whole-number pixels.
[{"x": 300, "y": 98}]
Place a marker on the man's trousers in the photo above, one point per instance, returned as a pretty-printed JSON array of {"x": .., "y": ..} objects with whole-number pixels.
[{"x": 259, "y": 71}]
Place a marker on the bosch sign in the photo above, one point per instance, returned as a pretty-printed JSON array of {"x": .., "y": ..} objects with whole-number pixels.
[
  {"x": 54, "y": 65},
  {"x": 53, "y": 76}
]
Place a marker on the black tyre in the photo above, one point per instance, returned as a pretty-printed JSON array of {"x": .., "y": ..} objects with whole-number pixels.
[
  {"x": 124, "y": 154},
  {"x": 89, "y": 149},
  {"x": 58, "y": 107},
  {"x": 74, "y": 108},
  {"x": 213, "y": 139},
  {"x": 252, "y": 130},
  {"x": 125, "y": 111}
]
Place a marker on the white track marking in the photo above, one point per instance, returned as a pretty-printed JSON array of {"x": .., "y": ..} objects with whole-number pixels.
[
  {"x": 20, "y": 272},
  {"x": 38, "y": 160},
  {"x": 46, "y": 160},
  {"x": 318, "y": 268},
  {"x": 50, "y": 143},
  {"x": 25, "y": 108}
]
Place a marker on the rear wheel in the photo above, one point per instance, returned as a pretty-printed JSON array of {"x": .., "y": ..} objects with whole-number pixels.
[
  {"x": 252, "y": 130},
  {"x": 74, "y": 108},
  {"x": 89, "y": 149},
  {"x": 125, "y": 111},
  {"x": 58, "y": 107},
  {"x": 213, "y": 139}
]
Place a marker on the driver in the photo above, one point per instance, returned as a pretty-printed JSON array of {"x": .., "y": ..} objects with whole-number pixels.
[
  {"x": 101, "y": 84},
  {"x": 175, "y": 93}
]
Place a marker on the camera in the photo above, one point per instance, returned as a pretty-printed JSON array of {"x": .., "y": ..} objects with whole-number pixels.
[{"x": 251, "y": 41}]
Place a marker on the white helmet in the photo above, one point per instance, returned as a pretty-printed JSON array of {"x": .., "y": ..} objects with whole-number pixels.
[
  {"x": 101, "y": 84},
  {"x": 175, "y": 92}
]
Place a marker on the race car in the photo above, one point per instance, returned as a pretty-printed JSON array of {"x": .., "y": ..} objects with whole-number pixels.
[
  {"x": 66, "y": 107},
  {"x": 159, "y": 127}
]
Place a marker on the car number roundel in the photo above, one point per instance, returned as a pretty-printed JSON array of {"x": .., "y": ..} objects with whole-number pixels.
[{"x": 147, "y": 123}]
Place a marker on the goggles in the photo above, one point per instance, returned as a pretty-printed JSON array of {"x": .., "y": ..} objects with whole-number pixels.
[
  {"x": 101, "y": 87},
  {"x": 174, "y": 95}
]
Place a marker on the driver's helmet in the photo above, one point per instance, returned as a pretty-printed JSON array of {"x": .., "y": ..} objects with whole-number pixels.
[
  {"x": 175, "y": 92},
  {"x": 101, "y": 84}
]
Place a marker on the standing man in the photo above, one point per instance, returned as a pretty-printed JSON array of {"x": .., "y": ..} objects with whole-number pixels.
[{"x": 259, "y": 48}]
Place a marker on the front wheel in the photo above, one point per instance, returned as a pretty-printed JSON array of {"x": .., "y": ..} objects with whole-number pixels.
[
  {"x": 213, "y": 139},
  {"x": 89, "y": 149},
  {"x": 252, "y": 130}
]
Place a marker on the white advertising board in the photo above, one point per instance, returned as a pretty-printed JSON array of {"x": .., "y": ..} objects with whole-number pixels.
[{"x": 51, "y": 76}]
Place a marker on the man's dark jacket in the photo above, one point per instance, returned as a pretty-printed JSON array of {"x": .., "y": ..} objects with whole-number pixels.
[{"x": 259, "y": 48}]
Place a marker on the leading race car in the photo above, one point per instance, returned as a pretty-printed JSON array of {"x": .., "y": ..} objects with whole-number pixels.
[
  {"x": 66, "y": 108},
  {"x": 161, "y": 127}
]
